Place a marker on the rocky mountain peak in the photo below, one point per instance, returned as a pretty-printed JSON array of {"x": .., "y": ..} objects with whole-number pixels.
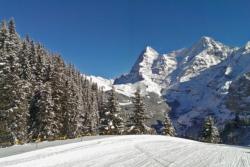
[
  {"x": 142, "y": 68},
  {"x": 205, "y": 40},
  {"x": 205, "y": 43},
  {"x": 247, "y": 46},
  {"x": 147, "y": 56},
  {"x": 149, "y": 51}
]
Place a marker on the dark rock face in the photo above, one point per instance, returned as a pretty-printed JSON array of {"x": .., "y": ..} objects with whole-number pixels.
[{"x": 237, "y": 130}]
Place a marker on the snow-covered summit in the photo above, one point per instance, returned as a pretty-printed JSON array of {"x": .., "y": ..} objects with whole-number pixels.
[
  {"x": 141, "y": 70},
  {"x": 149, "y": 51},
  {"x": 207, "y": 42}
]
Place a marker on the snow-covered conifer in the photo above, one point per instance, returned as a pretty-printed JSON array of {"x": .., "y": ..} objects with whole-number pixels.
[
  {"x": 168, "y": 128},
  {"x": 139, "y": 117},
  {"x": 25, "y": 69},
  {"x": 210, "y": 132},
  {"x": 43, "y": 124},
  {"x": 111, "y": 121}
]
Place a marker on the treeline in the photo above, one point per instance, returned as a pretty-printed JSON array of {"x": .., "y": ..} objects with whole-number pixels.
[{"x": 42, "y": 97}]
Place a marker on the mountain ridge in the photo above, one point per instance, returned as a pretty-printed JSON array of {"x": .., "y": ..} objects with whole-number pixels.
[{"x": 196, "y": 78}]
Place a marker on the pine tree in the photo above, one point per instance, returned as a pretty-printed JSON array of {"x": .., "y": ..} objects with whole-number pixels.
[
  {"x": 13, "y": 90},
  {"x": 91, "y": 116},
  {"x": 81, "y": 109},
  {"x": 138, "y": 119},
  {"x": 4, "y": 40},
  {"x": 32, "y": 57},
  {"x": 25, "y": 69},
  {"x": 94, "y": 114},
  {"x": 168, "y": 128},
  {"x": 70, "y": 110},
  {"x": 111, "y": 122},
  {"x": 12, "y": 26},
  {"x": 40, "y": 63},
  {"x": 84, "y": 115},
  {"x": 57, "y": 86},
  {"x": 104, "y": 120},
  {"x": 87, "y": 128},
  {"x": 210, "y": 133},
  {"x": 48, "y": 72},
  {"x": 13, "y": 47},
  {"x": 43, "y": 124},
  {"x": 5, "y": 131},
  {"x": 79, "y": 118}
]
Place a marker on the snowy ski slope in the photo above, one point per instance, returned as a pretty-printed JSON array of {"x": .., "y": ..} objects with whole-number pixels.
[{"x": 133, "y": 151}]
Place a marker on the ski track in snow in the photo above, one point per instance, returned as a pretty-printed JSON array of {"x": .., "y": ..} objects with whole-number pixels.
[{"x": 133, "y": 151}]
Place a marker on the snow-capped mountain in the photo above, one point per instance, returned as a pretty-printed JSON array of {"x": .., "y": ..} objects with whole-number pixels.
[
  {"x": 194, "y": 81},
  {"x": 177, "y": 66}
]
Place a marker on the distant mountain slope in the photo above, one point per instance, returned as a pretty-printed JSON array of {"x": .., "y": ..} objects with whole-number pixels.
[
  {"x": 194, "y": 81},
  {"x": 136, "y": 151},
  {"x": 155, "y": 104}
]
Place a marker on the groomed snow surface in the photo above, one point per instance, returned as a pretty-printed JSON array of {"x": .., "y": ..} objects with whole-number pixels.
[{"x": 133, "y": 151}]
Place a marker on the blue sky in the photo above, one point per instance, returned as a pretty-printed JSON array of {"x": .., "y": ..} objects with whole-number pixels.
[{"x": 105, "y": 37}]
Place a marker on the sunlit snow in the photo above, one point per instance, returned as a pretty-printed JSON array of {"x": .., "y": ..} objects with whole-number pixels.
[{"x": 133, "y": 151}]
